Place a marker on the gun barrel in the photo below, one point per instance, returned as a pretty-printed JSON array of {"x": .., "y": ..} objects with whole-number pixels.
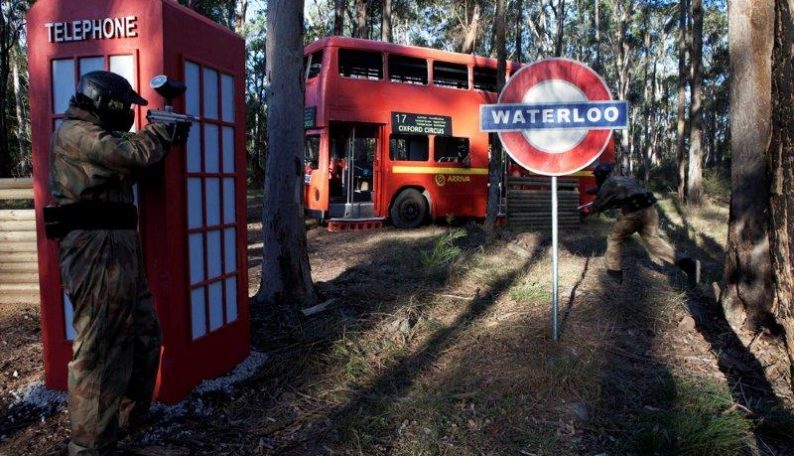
[
  {"x": 584, "y": 206},
  {"x": 170, "y": 117}
]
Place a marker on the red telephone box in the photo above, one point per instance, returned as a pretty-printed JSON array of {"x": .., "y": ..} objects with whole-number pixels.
[{"x": 192, "y": 210}]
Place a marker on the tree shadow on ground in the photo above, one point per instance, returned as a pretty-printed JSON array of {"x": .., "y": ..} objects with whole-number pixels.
[
  {"x": 744, "y": 372},
  {"x": 396, "y": 381}
]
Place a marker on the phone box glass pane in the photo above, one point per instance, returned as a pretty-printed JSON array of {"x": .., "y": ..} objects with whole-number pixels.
[
  {"x": 211, "y": 156},
  {"x": 216, "y": 305},
  {"x": 89, "y": 64},
  {"x": 194, "y": 152},
  {"x": 194, "y": 206},
  {"x": 228, "y": 200},
  {"x": 124, "y": 66},
  {"x": 196, "y": 245},
  {"x": 230, "y": 250},
  {"x": 231, "y": 299},
  {"x": 210, "y": 94},
  {"x": 68, "y": 317},
  {"x": 198, "y": 313},
  {"x": 228, "y": 149},
  {"x": 227, "y": 98},
  {"x": 214, "y": 256},
  {"x": 63, "y": 84},
  {"x": 213, "y": 190},
  {"x": 193, "y": 94}
]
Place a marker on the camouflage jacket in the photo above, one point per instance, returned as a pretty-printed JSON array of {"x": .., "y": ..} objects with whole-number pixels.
[
  {"x": 88, "y": 162},
  {"x": 616, "y": 191}
]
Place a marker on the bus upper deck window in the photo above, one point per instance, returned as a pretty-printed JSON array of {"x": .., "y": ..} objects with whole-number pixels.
[
  {"x": 312, "y": 157},
  {"x": 360, "y": 64},
  {"x": 315, "y": 64},
  {"x": 485, "y": 79},
  {"x": 451, "y": 75},
  {"x": 449, "y": 149},
  {"x": 408, "y": 70},
  {"x": 408, "y": 148}
]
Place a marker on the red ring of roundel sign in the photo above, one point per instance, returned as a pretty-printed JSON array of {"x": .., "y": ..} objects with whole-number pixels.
[{"x": 593, "y": 144}]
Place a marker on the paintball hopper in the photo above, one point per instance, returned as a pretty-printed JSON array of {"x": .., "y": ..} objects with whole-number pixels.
[{"x": 167, "y": 88}]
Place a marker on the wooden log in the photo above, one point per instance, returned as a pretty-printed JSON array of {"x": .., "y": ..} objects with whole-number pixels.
[
  {"x": 20, "y": 297},
  {"x": 18, "y": 236},
  {"x": 23, "y": 225},
  {"x": 25, "y": 182},
  {"x": 16, "y": 194},
  {"x": 18, "y": 257},
  {"x": 17, "y": 215},
  {"x": 17, "y": 247},
  {"x": 17, "y": 287},
  {"x": 19, "y": 277},
  {"x": 24, "y": 266}
]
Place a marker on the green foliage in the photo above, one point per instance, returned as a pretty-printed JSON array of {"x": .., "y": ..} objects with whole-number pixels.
[
  {"x": 696, "y": 418},
  {"x": 444, "y": 251},
  {"x": 717, "y": 183}
]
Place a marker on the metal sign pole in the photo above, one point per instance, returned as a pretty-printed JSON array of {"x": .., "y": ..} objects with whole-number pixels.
[{"x": 555, "y": 276}]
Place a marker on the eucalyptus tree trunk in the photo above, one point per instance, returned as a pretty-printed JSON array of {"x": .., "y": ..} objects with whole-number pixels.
[
  {"x": 472, "y": 31},
  {"x": 340, "y": 8},
  {"x": 386, "y": 27},
  {"x": 781, "y": 164},
  {"x": 695, "y": 175},
  {"x": 519, "y": 27},
  {"x": 24, "y": 164},
  {"x": 558, "y": 42},
  {"x": 683, "y": 79},
  {"x": 362, "y": 30},
  {"x": 286, "y": 283},
  {"x": 495, "y": 161},
  {"x": 748, "y": 273}
]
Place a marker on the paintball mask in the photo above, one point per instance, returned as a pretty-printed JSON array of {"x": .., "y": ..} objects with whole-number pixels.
[{"x": 110, "y": 96}]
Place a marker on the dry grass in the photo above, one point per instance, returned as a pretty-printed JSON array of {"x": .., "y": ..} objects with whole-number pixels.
[{"x": 441, "y": 346}]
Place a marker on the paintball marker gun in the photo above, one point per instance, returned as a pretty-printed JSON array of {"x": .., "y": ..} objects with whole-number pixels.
[{"x": 169, "y": 90}]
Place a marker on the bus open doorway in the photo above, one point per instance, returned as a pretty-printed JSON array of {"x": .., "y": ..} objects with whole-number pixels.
[{"x": 352, "y": 156}]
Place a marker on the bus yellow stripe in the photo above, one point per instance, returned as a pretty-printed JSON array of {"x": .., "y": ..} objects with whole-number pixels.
[{"x": 438, "y": 170}]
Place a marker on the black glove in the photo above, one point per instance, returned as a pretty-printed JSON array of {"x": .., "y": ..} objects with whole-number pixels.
[
  {"x": 179, "y": 132},
  {"x": 592, "y": 191}
]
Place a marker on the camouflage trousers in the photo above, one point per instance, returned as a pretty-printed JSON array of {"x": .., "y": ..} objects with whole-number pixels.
[
  {"x": 117, "y": 349},
  {"x": 645, "y": 222}
]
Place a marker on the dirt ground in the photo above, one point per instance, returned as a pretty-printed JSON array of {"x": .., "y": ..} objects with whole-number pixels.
[{"x": 437, "y": 344}]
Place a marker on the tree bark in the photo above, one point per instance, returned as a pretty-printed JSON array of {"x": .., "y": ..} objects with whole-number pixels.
[
  {"x": 519, "y": 28},
  {"x": 286, "y": 283},
  {"x": 695, "y": 174},
  {"x": 23, "y": 166},
  {"x": 340, "y": 8},
  {"x": 239, "y": 19},
  {"x": 495, "y": 161},
  {"x": 386, "y": 28},
  {"x": 748, "y": 274},
  {"x": 781, "y": 163},
  {"x": 472, "y": 31},
  {"x": 362, "y": 31},
  {"x": 683, "y": 14},
  {"x": 560, "y": 28}
]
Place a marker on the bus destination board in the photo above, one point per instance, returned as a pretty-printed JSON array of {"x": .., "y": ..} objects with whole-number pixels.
[{"x": 421, "y": 124}]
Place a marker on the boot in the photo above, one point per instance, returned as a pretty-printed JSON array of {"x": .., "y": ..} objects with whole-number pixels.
[
  {"x": 692, "y": 270},
  {"x": 617, "y": 276}
]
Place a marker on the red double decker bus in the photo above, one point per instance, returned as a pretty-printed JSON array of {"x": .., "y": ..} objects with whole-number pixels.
[{"x": 393, "y": 131}]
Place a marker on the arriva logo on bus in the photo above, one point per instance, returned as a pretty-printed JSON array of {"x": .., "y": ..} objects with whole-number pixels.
[{"x": 92, "y": 29}]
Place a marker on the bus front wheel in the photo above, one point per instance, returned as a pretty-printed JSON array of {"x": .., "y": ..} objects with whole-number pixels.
[{"x": 409, "y": 209}]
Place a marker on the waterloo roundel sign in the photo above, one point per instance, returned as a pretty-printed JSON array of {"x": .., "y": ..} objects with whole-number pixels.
[{"x": 555, "y": 117}]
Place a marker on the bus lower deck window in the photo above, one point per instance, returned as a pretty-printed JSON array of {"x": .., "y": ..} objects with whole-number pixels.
[
  {"x": 485, "y": 79},
  {"x": 312, "y": 157},
  {"x": 449, "y": 149},
  {"x": 451, "y": 75},
  {"x": 408, "y": 148},
  {"x": 408, "y": 70},
  {"x": 360, "y": 64}
]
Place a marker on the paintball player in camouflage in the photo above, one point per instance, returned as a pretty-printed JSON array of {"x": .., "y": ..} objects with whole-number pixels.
[
  {"x": 93, "y": 167},
  {"x": 637, "y": 215}
]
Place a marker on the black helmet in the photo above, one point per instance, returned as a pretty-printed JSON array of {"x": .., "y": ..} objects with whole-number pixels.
[
  {"x": 602, "y": 172},
  {"x": 110, "y": 96}
]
